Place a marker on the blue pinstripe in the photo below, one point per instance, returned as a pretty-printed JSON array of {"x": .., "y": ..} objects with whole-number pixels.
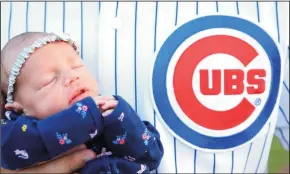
[
  {"x": 194, "y": 164},
  {"x": 217, "y": 6},
  {"x": 116, "y": 49},
  {"x": 213, "y": 170},
  {"x": 237, "y": 5},
  {"x": 286, "y": 86},
  {"x": 233, "y": 156},
  {"x": 263, "y": 148},
  {"x": 283, "y": 114},
  {"x": 27, "y": 12},
  {"x": 82, "y": 31},
  {"x": 45, "y": 8},
  {"x": 99, "y": 7},
  {"x": 277, "y": 20},
  {"x": 196, "y": 7},
  {"x": 258, "y": 13},
  {"x": 283, "y": 137},
  {"x": 175, "y": 157},
  {"x": 135, "y": 56},
  {"x": 176, "y": 13},
  {"x": 155, "y": 26},
  {"x": 9, "y": 21},
  {"x": 154, "y": 46},
  {"x": 63, "y": 16},
  {"x": 247, "y": 157}
]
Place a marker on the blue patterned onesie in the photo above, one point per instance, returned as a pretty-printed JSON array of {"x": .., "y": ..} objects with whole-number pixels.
[{"x": 133, "y": 146}]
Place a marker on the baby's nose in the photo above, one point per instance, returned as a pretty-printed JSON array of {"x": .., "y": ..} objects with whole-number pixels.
[
  {"x": 70, "y": 78},
  {"x": 69, "y": 81}
]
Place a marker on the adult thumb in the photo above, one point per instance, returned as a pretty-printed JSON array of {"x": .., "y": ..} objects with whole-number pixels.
[{"x": 65, "y": 164}]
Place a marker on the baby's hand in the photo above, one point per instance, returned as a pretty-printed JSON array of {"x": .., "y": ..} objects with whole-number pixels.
[{"x": 106, "y": 104}]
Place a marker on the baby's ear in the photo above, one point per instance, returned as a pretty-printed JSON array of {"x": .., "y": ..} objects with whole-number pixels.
[{"x": 15, "y": 106}]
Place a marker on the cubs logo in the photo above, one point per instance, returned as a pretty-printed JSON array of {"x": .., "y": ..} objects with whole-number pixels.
[{"x": 215, "y": 82}]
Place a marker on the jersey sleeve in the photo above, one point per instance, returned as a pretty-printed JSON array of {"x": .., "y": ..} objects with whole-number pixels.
[
  {"x": 26, "y": 140},
  {"x": 126, "y": 136},
  {"x": 111, "y": 164}
]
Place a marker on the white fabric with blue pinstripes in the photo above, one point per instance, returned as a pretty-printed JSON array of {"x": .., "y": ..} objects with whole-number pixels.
[{"x": 118, "y": 41}]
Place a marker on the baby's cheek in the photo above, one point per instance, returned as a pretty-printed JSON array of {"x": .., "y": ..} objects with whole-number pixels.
[{"x": 51, "y": 105}]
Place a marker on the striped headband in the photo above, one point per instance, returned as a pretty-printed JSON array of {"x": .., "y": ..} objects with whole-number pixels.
[{"x": 25, "y": 54}]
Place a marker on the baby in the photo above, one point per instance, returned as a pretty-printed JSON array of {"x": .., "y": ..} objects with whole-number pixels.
[{"x": 53, "y": 105}]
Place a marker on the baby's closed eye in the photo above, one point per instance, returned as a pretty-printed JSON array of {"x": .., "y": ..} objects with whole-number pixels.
[
  {"x": 77, "y": 66},
  {"x": 49, "y": 81}
]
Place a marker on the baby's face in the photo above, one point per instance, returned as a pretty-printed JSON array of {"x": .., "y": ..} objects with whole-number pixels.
[{"x": 52, "y": 79}]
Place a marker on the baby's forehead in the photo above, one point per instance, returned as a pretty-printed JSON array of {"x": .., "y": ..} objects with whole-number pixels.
[{"x": 52, "y": 54}]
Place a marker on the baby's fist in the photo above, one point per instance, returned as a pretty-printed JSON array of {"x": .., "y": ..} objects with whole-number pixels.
[{"x": 106, "y": 104}]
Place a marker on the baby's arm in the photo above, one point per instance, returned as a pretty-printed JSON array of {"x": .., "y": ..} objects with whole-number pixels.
[
  {"x": 112, "y": 165},
  {"x": 128, "y": 137},
  {"x": 26, "y": 140}
]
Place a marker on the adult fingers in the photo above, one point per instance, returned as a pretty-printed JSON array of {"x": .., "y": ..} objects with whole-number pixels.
[{"x": 64, "y": 164}]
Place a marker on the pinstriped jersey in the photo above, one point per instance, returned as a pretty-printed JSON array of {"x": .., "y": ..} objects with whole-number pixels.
[{"x": 119, "y": 41}]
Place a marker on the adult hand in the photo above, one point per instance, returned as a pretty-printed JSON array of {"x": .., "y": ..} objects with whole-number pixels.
[{"x": 68, "y": 163}]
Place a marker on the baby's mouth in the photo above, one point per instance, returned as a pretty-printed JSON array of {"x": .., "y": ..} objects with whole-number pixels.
[{"x": 79, "y": 95}]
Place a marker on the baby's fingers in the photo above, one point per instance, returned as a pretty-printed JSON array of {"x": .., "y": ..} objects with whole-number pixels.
[
  {"x": 105, "y": 97},
  {"x": 100, "y": 102},
  {"x": 111, "y": 104},
  {"x": 107, "y": 112}
]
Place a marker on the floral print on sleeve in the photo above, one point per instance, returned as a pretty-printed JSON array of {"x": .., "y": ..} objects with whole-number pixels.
[
  {"x": 82, "y": 109},
  {"x": 120, "y": 139},
  {"x": 63, "y": 139},
  {"x": 146, "y": 136},
  {"x": 24, "y": 128}
]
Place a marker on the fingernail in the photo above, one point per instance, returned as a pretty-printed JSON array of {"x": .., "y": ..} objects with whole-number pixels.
[{"x": 89, "y": 156}]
